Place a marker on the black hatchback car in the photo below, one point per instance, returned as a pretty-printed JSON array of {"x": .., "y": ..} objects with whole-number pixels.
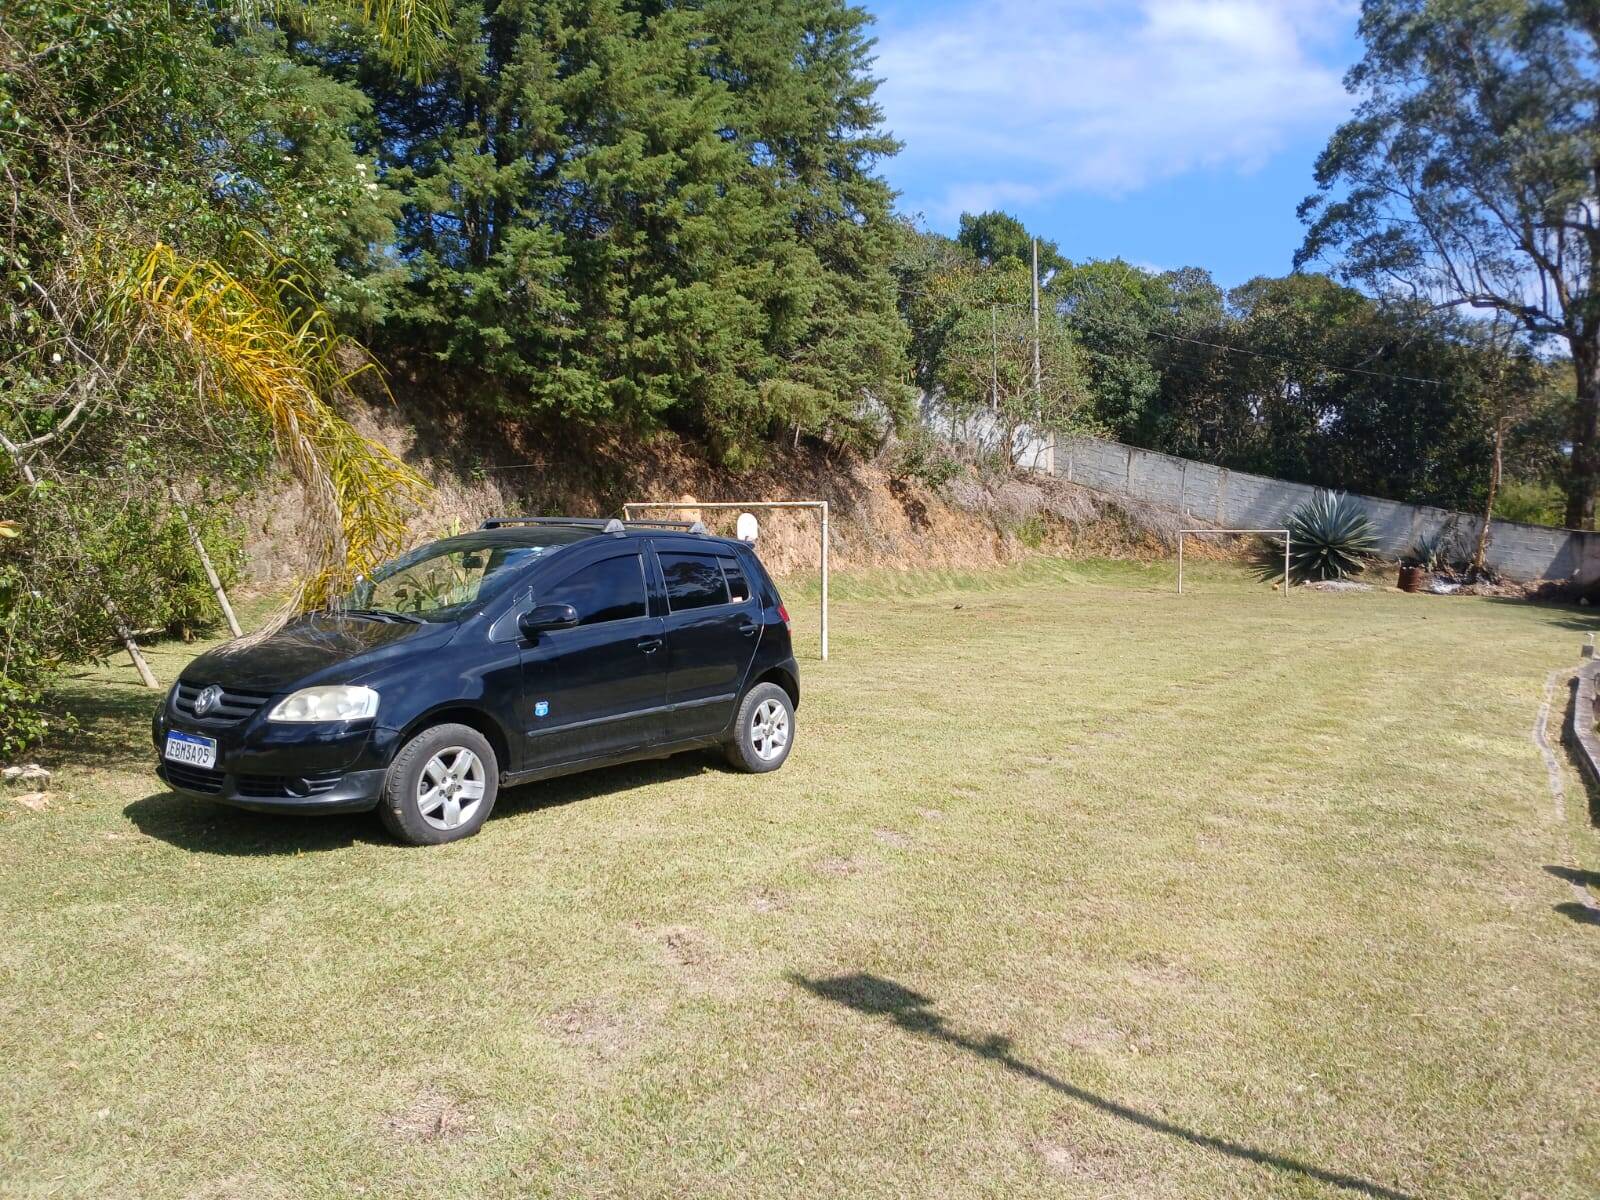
[{"x": 530, "y": 648}]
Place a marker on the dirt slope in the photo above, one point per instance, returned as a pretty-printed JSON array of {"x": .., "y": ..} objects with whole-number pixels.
[{"x": 878, "y": 520}]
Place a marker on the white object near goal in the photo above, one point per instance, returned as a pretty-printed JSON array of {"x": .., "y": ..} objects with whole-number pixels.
[
  {"x": 821, "y": 507},
  {"x": 1182, "y": 533}
]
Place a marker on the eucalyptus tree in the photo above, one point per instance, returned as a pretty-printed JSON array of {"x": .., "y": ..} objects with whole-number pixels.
[{"x": 1468, "y": 177}]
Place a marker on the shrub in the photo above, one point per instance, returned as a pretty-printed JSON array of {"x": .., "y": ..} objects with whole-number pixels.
[
  {"x": 1442, "y": 550},
  {"x": 1031, "y": 531},
  {"x": 68, "y": 555},
  {"x": 925, "y": 458},
  {"x": 1532, "y": 503},
  {"x": 1330, "y": 537}
]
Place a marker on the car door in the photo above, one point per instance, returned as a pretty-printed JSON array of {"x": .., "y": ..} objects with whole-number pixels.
[
  {"x": 598, "y": 688},
  {"x": 712, "y": 627}
]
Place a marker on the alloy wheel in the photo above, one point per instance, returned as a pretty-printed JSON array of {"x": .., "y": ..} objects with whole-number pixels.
[
  {"x": 450, "y": 788},
  {"x": 769, "y": 730}
]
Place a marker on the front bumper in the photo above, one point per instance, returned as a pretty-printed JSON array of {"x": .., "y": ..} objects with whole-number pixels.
[
  {"x": 328, "y": 767},
  {"x": 354, "y": 791}
]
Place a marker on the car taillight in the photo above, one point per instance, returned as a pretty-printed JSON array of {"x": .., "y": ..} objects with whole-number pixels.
[{"x": 784, "y": 613}]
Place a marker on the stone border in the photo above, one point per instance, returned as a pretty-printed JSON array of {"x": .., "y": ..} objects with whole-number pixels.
[{"x": 1580, "y": 730}]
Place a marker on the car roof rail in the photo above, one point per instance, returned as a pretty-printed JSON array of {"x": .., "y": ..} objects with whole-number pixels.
[
  {"x": 603, "y": 524},
  {"x": 686, "y": 526},
  {"x": 610, "y": 525}
]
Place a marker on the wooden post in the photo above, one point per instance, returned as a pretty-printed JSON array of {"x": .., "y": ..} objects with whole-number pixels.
[{"x": 205, "y": 562}]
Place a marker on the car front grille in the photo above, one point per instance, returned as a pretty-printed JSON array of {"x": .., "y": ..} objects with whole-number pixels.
[
  {"x": 194, "y": 779},
  {"x": 234, "y": 704},
  {"x": 288, "y": 787}
]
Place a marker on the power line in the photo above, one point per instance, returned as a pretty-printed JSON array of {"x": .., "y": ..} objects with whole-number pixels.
[
  {"x": 1073, "y": 318},
  {"x": 1393, "y": 376}
]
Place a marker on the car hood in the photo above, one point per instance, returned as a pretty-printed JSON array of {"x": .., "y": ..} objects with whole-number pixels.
[{"x": 316, "y": 649}]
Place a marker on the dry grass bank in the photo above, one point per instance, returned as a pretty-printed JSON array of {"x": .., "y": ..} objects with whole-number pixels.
[{"x": 880, "y": 520}]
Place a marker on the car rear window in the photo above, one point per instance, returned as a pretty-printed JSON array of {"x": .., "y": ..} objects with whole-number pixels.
[
  {"x": 738, "y": 588},
  {"x": 693, "y": 581}
]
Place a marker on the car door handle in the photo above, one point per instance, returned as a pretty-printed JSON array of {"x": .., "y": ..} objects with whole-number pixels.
[
  {"x": 749, "y": 628},
  {"x": 649, "y": 645}
]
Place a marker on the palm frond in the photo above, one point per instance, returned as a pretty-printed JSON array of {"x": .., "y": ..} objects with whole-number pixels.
[
  {"x": 276, "y": 349},
  {"x": 408, "y": 33}
]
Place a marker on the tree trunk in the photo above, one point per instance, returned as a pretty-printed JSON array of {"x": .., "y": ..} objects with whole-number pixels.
[
  {"x": 205, "y": 563},
  {"x": 1584, "y": 478}
]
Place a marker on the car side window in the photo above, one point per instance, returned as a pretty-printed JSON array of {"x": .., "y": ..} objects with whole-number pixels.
[
  {"x": 609, "y": 590},
  {"x": 738, "y": 588},
  {"x": 693, "y": 581}
]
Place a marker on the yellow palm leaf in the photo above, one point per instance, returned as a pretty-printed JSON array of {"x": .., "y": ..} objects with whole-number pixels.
[{"x": 277, "y": 350}]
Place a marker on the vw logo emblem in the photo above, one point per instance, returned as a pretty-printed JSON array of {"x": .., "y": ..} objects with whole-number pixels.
[{"x": 208, "y": 699}]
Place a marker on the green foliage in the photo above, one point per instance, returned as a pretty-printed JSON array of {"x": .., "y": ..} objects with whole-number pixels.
[
  {"x": 1444, "y": 549},
  {"x": 994, "y": 237},
  {"x": 643, "y": 216},
  {"x": 1531, "y": 502},
  {"x": 1466, "y": 175},
  {"x": 1302, "y": 378},
  {"x": 973, "y": 345},
  {"x": 1330, "y": 537},
  {"x": 1031, "y": 531},
  {"x": 924, "y": 457},
  {"x": 134, "y": 551},
  {"x": 187, "y": 207}
]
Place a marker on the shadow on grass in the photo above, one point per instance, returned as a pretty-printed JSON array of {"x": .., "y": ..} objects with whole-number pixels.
[
  {"x": 203, "y": 827},
  {"x": 1556, "y": 613},
  {"x": 585, "y": 785},
  {"x": 112, "y": 723},
  {"x": 1583, "y": 914},
  {"x": 878, "y": 997},
  {"x": 1577, "y": 910},
  {"x": 1576, "y": 875}
]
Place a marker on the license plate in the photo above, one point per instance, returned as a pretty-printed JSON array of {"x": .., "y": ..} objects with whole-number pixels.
[{"x": 192, "y": 749}]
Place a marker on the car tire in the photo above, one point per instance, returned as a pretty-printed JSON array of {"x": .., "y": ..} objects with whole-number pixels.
[
  {"x": 441, "y": 787},
  {"x": 763, "y": 730}
]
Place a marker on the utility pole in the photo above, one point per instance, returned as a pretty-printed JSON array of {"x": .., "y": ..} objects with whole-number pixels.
[
  {"x": 1038, "y": 389},
  {"x": 1038, "y": 394},
  {"x": 994, "y": 358}
]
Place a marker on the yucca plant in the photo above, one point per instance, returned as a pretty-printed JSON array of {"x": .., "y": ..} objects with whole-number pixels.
[{"x": 1330, "y": 537}]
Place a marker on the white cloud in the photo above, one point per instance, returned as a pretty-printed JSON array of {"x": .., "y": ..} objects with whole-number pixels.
[{"x": 1013, "y": 102}]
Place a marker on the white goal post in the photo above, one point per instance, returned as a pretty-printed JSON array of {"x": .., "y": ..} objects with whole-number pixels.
[
  {"x": 820, "y": 505},
  {"x": 1182, "y": 533}
]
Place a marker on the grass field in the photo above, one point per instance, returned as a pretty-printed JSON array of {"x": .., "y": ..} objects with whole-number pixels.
[{"x": 1071, "y": 888}]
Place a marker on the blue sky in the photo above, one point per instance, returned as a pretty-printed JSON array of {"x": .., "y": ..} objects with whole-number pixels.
[{"x": 1167, "y": 132}]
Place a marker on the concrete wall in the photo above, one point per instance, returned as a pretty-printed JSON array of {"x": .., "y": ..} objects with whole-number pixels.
[
  {"x": 1218, "y": 496},
  {"x": 1029, "y": 450}
]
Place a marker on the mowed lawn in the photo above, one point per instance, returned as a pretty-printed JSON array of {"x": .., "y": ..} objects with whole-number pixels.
[{"x": 1072, "y": 888}]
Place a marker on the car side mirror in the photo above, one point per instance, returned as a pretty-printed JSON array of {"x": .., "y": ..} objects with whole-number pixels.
[{"x": 545, "y": 617}]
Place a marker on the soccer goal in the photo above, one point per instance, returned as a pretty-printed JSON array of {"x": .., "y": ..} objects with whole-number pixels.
[
  {"x": 820, "y": 506},
  {"x": 1283, "y": 533}
]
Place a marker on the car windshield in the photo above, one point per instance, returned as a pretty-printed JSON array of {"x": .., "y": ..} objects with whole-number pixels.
[{"x": 444, "y": 581}]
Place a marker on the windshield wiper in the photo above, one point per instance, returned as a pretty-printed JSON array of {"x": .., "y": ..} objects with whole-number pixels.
[{"x": 381, "y": 614}]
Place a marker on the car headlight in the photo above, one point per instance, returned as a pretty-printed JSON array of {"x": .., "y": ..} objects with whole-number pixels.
[{"x": 339, "y": 702}]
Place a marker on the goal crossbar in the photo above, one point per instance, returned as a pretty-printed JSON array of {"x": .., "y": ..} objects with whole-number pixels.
[
  {"x": 821, "y": 506},
  {"x": 1284, "y": 533}
]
